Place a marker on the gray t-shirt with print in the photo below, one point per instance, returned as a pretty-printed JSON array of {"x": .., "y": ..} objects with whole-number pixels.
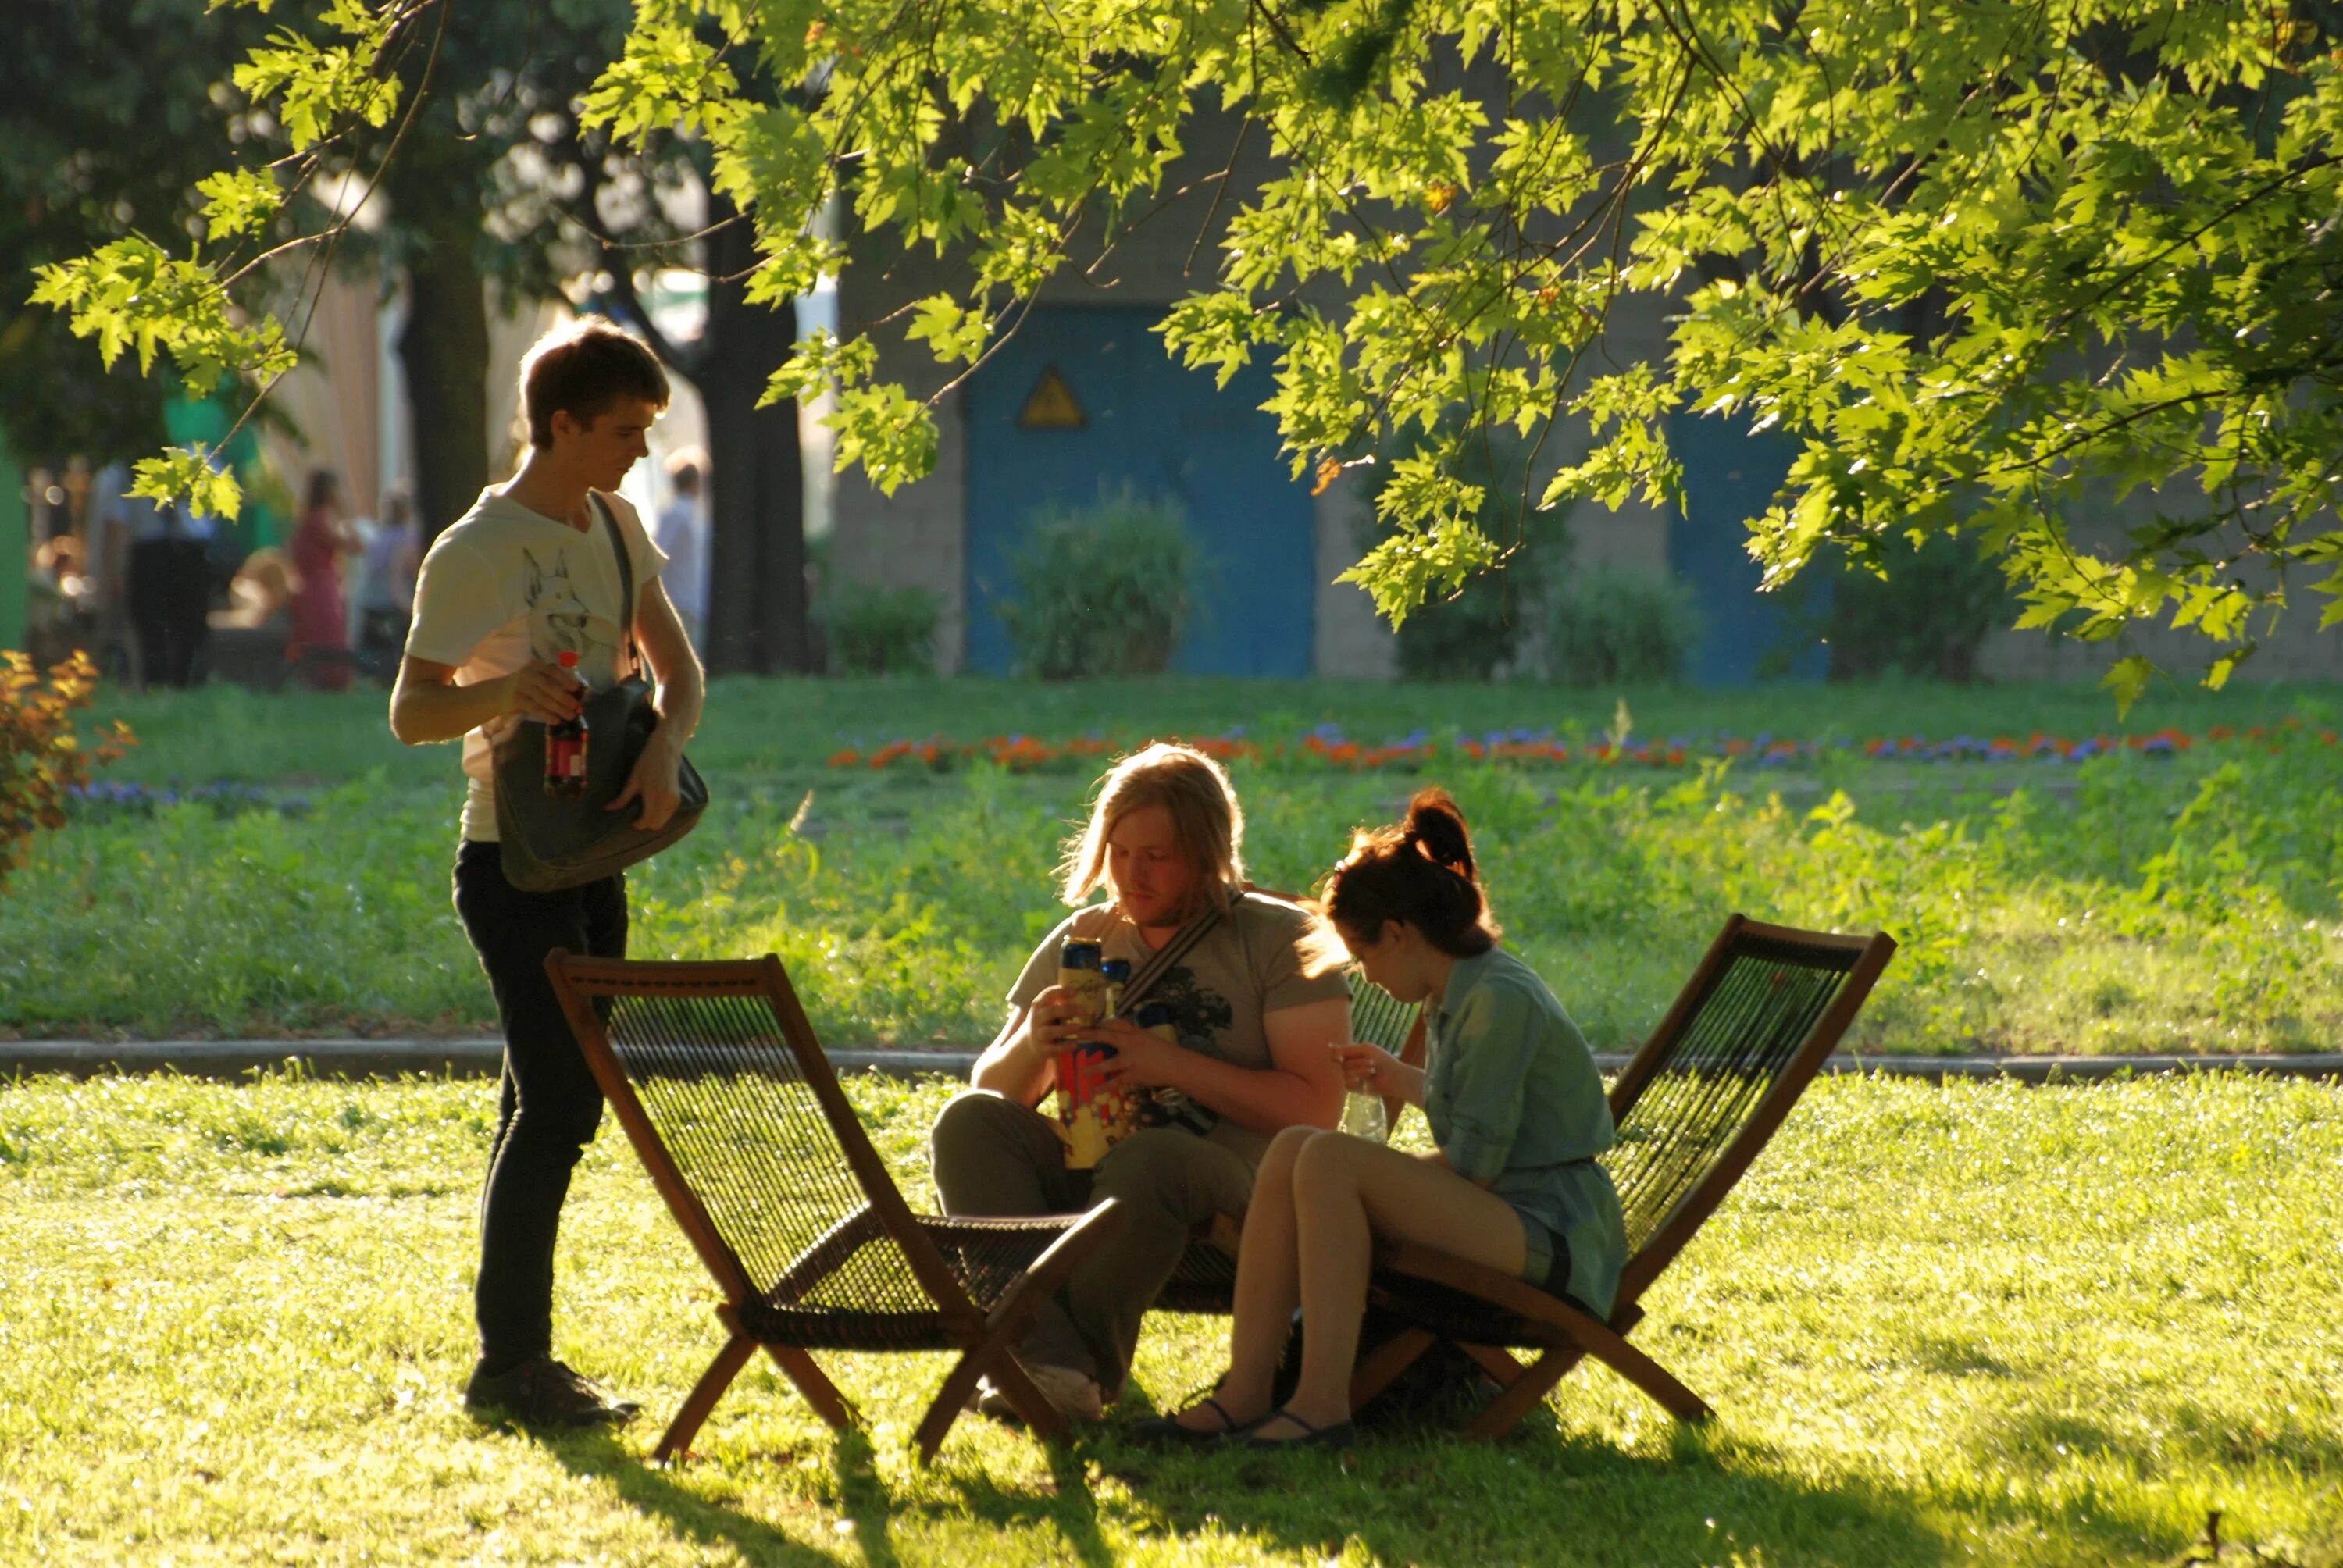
[{"x": 1247, "y": 966}]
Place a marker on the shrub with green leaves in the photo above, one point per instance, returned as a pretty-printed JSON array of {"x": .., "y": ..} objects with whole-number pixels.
[
  {"x": 879, "y": 630},
  {"x": 1612, "y": 628},
  {"x": 1102, "y": 589},
  {"x": 1479, "y": 631},
  {"x": 1921, "y": 612}
]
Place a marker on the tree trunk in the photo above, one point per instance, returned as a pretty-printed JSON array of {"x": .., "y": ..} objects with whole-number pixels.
[
  {"x": 444, "y": 348},
  {"x": 757, "y": 560}
]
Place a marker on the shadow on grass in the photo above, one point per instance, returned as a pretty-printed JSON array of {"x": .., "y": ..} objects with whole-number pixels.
[
  {"x": 1417, "y": 1495},
  {"x": 1424, "y": 1497},
  {"x": 1070, "y": 1505},
  {"x": 649, "y": 1489}
]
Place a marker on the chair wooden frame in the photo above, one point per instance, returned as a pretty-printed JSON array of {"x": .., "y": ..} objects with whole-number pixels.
[
  {"x": 984, "y": 1339},
  {"x": 1563, "y": 1335}
]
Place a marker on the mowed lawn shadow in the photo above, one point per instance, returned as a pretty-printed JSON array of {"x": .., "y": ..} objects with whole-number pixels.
[
  {"x": 1424, "y": 1497},
  {"x": 649, "y": 1488}
]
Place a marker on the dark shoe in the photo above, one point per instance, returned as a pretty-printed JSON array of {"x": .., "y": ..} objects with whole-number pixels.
[
  {"x": 1342, "y": 1434},
  {"x": 543, "y": 1392},
  {"x": 1165, "y": 1431}
]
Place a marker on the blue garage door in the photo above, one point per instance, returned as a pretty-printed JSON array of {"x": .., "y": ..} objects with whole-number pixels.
[
  {"x": 1730, "y": 476},
  {"x": 1122, "y": 413}
]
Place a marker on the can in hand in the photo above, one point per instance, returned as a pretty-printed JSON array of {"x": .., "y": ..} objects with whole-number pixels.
[{"x": 1082, "y": 1119}]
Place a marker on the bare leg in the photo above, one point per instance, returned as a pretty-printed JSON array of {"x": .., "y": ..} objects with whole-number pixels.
[
  {"x": 1345, "y": 1191},
  {"x": 1266, "y": 1294}
]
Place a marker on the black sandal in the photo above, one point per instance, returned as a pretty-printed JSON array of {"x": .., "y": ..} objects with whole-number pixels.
[
  {"x": 1340, "y": 1435},
  {"x": 1165, "y": 1431}
]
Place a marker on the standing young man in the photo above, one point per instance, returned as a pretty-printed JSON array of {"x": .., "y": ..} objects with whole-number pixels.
[{"x": 527, "y": 575}]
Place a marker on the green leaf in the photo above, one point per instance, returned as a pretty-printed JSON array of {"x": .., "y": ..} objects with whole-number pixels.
[
  {"x": 2129, "y": 679},
  {"x": 187, "y": 475},
  {"x": 239, "y": 201}
]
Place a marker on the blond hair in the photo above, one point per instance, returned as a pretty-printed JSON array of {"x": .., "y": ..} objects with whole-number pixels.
[{"x": 1206, "y": 821}]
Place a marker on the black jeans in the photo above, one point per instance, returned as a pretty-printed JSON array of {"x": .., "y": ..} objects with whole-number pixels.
[{"x": 549, "y": 1105}]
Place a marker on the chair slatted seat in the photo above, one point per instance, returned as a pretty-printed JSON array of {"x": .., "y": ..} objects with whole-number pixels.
[
  {"x": 1693, "y": 1109},
  {"x": 737, "y": 1114}
]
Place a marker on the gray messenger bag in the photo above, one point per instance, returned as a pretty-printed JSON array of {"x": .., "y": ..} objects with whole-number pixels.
[{"x": 550, "y": 842}]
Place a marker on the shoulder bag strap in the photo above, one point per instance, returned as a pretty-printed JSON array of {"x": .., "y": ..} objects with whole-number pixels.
[
  {"x": 626, "y": 582},
  {"x": 1159, "y": 964}
]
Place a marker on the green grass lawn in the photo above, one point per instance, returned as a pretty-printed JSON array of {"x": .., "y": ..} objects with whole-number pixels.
[
  {"x": 2121, "y": 905},
  {"x": 1969, "y": 1324}
]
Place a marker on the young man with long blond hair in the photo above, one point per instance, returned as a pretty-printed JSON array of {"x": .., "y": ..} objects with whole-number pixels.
[{"x": 1254, "y": 1027}]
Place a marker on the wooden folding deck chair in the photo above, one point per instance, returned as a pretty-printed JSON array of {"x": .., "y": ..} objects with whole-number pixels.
[
  {"x": 735, "y": 1111},
  {"x": 1206, "y": 1278},
  {"x": 1693, "y": 1107}
]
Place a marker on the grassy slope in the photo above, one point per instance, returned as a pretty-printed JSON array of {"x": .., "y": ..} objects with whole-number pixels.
[{"x": 1983, "y": 1324}]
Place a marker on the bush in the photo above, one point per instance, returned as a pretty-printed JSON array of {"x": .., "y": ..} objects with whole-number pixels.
[
  {"x": 1479, "y": 631},
  {"x": 1102, "y": 589},
  {"x": 1610, "y": 627},
  {"x": 876, "y": 630},
  {"x": 1927, "y": 618},
  {"x": 42, "y": 761}
]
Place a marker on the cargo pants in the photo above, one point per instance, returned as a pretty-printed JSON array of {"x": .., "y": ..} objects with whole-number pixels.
[{"x": 994, "y": 1158}]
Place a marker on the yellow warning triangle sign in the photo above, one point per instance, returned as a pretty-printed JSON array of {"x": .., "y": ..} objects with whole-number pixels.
[{"x": 1050, "y": 404}]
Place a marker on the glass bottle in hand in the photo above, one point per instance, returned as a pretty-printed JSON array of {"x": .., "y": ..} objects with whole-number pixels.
[
  {"x": 1363, "y": 1114},
  {"x": 565, "y": 746}
]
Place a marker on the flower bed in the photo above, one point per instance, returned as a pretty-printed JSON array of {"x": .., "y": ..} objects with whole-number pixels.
[{"x": 1328, "y": 746}]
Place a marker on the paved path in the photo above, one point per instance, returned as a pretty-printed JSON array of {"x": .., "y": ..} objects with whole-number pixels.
[{"x": 230, "y": 1058}]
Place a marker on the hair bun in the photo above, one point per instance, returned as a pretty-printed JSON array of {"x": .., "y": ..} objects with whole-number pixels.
[
  {"x": 1420, "y": 871},
  {"x": 1435, "y": 825}
]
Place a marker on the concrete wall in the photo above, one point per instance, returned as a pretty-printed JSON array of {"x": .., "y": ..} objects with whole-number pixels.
[{"x": 2296, "y": 650}]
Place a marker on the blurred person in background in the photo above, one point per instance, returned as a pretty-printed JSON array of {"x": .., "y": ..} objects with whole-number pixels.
[
  {"x": 681, "y": 533},
  {"x": 167, "y": 588},
  {"x": 106, "y": 564},
  {"x": 386, "y": 591},
  {"x": 321, "y": 632}
]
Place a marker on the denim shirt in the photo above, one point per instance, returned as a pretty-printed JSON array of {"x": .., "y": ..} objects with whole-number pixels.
[{"x": 1514, "y": 1099}]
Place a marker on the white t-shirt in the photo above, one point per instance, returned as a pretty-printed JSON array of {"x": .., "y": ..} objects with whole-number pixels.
[{"x": 506, "y": 585}]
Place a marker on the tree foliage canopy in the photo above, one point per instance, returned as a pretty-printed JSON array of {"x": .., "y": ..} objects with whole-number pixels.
[{"x": 1993, "y": 264}]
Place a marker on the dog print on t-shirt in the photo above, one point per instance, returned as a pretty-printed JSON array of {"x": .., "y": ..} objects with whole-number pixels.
[{"x": 559, "y": 621}]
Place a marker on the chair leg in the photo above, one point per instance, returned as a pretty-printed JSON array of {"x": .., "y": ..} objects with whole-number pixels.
[
  {"x": 1521, "y": 1395},
  {"x": 1008, "y": 1321},
  {"x": 818, "y": 1390},
  {"x": 1650, "y": 1376},
  {"x": 1494, "y": 1360},
  {"x": 703, "y": 1396},
  {"x": 988, "y": 1357},
  {"x": 1605, "y": 1345},
  {"x": 1380, "y": 1365}
]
